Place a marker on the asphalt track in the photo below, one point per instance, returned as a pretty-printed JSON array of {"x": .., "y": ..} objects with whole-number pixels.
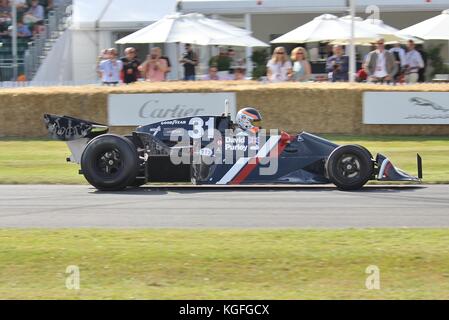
[{"x": 57, "y": 206}]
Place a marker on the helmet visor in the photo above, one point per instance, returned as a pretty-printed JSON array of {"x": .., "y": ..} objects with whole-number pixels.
[{"x": 257, "y": 123}]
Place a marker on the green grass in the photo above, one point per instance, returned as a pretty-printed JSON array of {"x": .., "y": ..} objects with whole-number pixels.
[
  {"x": 36, "y": 162},
  {"x": 224, "y": 264},
  {"x": 42, "y": 161}
]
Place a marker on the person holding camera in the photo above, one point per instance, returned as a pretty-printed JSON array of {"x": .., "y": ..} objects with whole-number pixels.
[
  {"x": 189, "y": 61},
  {"x": 154, "y": 68},
  {"x": 337, "y": 65},
  {"x": 130, "y": 66}
]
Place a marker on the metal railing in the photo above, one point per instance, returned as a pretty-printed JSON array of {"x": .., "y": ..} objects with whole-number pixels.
[
  {"x": 7, "y": 69},
  {"x": 56, "y": 22}
]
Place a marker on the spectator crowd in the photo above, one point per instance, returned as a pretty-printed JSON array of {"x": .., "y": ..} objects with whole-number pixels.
[
  {"x": 395, "y": 65},
  {"x": 30, "y": 17},
  {"x": 113, "y": 70}
]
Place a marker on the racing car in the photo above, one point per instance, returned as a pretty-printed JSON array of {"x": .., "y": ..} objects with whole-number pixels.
[{"x": 213, "y": 150}]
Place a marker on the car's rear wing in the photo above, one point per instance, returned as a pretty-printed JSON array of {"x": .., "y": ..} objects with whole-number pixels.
[
  {"x": 75, "y": 132},
  {"x": 67, "y": 128}
]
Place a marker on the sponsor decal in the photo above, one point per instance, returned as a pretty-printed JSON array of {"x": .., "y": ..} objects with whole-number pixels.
[
  {"x": 254, "y": 147},
  {"x": 234, "y": 140},
  {"x": 154, "y": 109},
  {"x": 253, "y": 142},
  {"x": 206, "y": 152},
  {"x": 168, "y": 132},
  {"x": 237, "y": 147},
  {"x": 148, "y": 108},
  {"x": 155, "y": 131},
  {"x": 66, "y": 129},
  {"x": 173, "y": 122},
  {"x": 235, "y": 144}
]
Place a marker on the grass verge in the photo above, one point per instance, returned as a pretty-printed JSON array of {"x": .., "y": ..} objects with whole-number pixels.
[
  {"x": 224, "y": 264},
  {"x": 43, "y": 162}
]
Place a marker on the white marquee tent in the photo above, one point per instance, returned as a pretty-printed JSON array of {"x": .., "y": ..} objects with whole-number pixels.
[
  {"x": 92, "y": 28},
  {"x": 119, "y": 14},
  {"x": 193, "y": 28},
  {"x": 436, "y": 28}
]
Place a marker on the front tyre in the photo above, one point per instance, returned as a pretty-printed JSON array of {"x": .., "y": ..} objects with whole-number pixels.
[
  {"x": 349, "y": 167},
  {"x": 110, "y": 162}
]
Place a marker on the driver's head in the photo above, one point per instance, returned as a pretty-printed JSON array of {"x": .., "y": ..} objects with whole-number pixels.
[{"x": 249, "y": 119}]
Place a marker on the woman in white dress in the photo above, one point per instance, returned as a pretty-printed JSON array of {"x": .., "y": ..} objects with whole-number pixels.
[{"x": 279, "y": 68}]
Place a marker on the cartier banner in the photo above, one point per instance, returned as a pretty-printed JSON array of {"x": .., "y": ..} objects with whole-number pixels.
[{"x": 142, "y": 109}]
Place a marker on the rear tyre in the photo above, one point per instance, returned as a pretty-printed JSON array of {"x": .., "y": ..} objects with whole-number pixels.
[
  {"x": 349, "y": 167},
  {"x": 110, "y": 162}
]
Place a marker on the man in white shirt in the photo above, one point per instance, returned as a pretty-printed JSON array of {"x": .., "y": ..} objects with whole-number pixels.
[
  {"x": 379, "y": 64},
  {"x": 413, "y": 62},
  {"x": 110, "y": 69}
]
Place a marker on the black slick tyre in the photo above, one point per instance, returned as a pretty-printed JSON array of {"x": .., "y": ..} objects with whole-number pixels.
[
  {"x": 110, "y": 162},
  {"x": 350, "y": 167}
]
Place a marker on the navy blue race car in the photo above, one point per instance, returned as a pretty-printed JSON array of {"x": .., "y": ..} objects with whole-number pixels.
[{"x": 214, "y": 150}]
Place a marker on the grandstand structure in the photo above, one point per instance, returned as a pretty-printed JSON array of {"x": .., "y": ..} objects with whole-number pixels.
[
  {"x": 6, "y": 57},
  {"x": 31, "y": 51}
]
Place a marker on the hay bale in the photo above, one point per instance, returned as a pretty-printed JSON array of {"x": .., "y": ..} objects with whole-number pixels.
[{"x": 315, "y": 107}]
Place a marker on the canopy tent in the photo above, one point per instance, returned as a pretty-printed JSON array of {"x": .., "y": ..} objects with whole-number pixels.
[
  {"x": 196, "y": 29},
  {"x": 388, "y": 33},
  {"x": 436, "y": 28},
  {"x": 193, "y": 28},
  {"x": 118, "y": 14},
  {"x": 329, "y": 27},
  {"x": 381, "y": 30},
  {"x": 381, "y": 24},
  {"x": 392, "y": 30},
  {"x": 325, "y": 27}
]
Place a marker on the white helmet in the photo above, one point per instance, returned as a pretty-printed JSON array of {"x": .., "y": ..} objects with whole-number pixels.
[{"x": 249, "y": 119}]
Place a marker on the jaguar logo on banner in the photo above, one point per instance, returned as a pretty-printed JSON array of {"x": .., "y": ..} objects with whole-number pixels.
[
  {"x": 428, "y": 104},
  {"x": 406, "y": 108}
]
